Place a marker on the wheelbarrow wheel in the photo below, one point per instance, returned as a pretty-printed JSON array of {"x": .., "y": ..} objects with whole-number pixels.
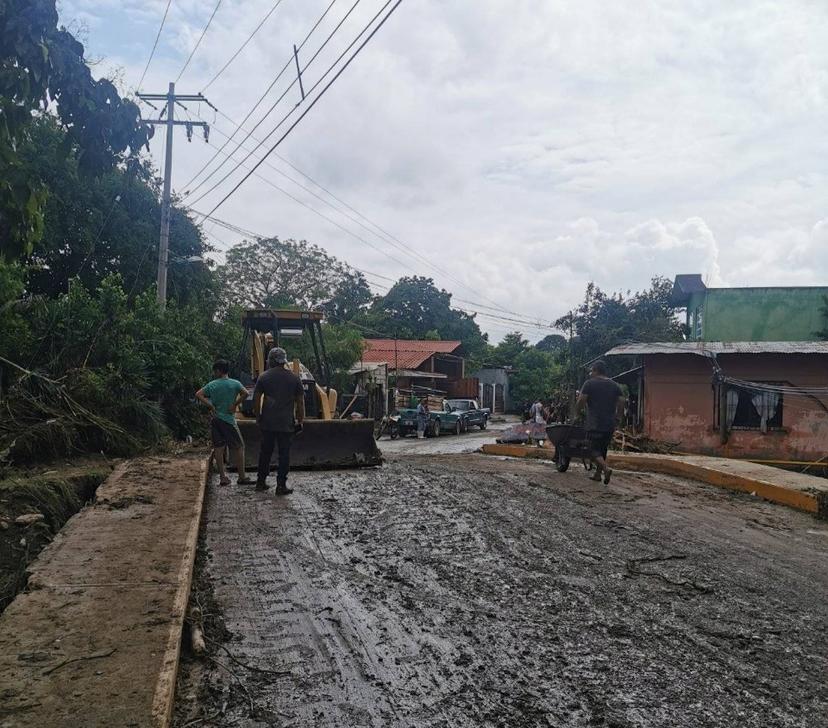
[{"x": 563, "y": 463}]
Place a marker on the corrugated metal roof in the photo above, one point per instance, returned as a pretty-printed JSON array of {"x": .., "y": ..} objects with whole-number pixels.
[
  {"x": 705, "y": 348},
  {"x": 432, "y": 347},
  {"x": 406, "y": 353},
  {"x": 402, "y": 359}
]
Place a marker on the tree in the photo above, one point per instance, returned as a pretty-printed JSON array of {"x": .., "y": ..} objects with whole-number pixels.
[
  {"x": 271, "y": 273},
  {"x": 508, "y": 350},
  {"x": 414, "y": 308},
  {"x": 42, "y": 64},
  {"x": 96, "y": 226},
  {"x": 603, "y": 321},
  {"x": 552, "y": 344},
  {"x": 536, "y": 376}
]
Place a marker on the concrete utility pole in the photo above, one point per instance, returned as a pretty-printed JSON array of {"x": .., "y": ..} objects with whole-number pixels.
[{"x": 171, "y": 100}]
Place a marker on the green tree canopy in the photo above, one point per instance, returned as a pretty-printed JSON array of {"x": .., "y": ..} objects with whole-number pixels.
[
  {"x": 508, "y": 350},
  {"x": 273, "y": 273},
  {"x": 42, "y": 67},
  {"x": 414, "y": 308}
]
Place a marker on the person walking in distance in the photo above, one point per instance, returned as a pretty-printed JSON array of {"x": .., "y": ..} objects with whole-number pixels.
[
  {"x": 277, "y": 396},
  {"x": 223, "y": 395},
  {"x": 603, "y": 400},
  {"x": 422, "y": 418}
]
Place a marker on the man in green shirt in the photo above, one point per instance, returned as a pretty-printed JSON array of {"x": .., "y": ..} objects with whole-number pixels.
[{"x": 223, "y": 395}]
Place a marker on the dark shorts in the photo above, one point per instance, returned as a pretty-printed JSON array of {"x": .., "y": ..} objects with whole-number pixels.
[
  {"x": 223, "y": 434},
  {"x": 599, "y": 442}
]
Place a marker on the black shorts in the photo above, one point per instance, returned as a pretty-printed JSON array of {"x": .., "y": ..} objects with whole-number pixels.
[
  {"x": 599, "y": 442},
  {"x": 223, "y": 434}
]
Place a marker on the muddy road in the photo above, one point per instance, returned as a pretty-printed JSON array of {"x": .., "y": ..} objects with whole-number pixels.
[{"x": 461, "y": 590}]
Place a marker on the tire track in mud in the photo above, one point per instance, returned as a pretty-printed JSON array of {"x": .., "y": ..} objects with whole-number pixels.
[{"x": 464, "y": 591}]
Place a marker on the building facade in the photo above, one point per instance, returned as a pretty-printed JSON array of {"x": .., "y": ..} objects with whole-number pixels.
[
  {"x": 494, "y": 389},
  {"x": 794, "y": 313},
  {"x": 757, "y": 400}
]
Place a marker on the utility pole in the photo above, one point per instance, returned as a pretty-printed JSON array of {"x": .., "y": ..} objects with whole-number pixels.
[{"x": 171, "y": 99}]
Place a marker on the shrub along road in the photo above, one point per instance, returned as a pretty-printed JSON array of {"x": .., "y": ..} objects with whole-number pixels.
[{"x": 462, "y": 590}]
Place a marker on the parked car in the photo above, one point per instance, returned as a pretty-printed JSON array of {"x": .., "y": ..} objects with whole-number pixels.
[
  {"x": 441, "y": 421},
  {"x": 469, "y": 412}
]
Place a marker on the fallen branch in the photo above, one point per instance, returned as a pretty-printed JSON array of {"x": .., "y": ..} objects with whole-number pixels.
[{"x": 70, "y": 660}]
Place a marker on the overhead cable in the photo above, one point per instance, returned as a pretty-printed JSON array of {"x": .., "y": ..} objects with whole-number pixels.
[
  {"x": 198, "y": 42},
  {"x": 154, "y": 45},
  {"x": 310, "y": 106},
  {"x": 242, "y": 46},
  {"x": 257, "y": 104}
]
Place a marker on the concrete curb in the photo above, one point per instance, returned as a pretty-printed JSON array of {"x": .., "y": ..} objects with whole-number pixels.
[
  {"x": 96, "y": 636},
  {"x": 803, "y": 492},
  {"x": 164, "y": 698}
]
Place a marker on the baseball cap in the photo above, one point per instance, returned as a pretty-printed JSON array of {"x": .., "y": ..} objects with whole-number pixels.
[{"x": 277, "y": 355}]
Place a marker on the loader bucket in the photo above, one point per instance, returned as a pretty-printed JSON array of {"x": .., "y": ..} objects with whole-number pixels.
[{"x": 322, "y": 445}]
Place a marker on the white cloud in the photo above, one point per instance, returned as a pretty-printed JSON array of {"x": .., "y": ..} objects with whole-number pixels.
[{"x": 528, "y": 147}]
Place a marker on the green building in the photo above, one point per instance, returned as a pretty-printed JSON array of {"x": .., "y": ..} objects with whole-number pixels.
[{"x": 790, "y": 313}]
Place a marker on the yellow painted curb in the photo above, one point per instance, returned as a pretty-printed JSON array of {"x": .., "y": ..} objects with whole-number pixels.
[{"x": 802, "y": 500}]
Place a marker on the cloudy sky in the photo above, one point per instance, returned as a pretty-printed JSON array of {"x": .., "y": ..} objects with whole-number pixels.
[{"x": 514, "y": 149}]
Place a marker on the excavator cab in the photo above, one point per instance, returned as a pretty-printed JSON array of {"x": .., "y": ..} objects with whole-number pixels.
[{"x": 326, "y": 441}]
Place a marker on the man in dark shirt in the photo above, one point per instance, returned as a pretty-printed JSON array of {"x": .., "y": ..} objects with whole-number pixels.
[
  {"x": 283, "y": 393},
  {"x": 603, "y": 400}
]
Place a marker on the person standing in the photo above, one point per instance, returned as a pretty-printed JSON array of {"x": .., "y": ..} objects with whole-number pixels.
[
  {"x": 422, "y": 418},
  {"x": 536, "y": 413},
  {"x": 223, "y": 395},
  {"x": 279, "y": 404},
  {"x": 603, "y": 401}
]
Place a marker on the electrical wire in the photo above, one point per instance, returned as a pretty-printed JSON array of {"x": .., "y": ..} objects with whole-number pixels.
[
  {"x": 313, "y": 103},
  {"x": 259, "y": 102},
  {"x": 502, "y": 319},
  {"x": 249, "y": 134},
  {"x": 242, "y": 46},
  {"x": 198, "y": 42},
  {"x": 154, "y": 45}
]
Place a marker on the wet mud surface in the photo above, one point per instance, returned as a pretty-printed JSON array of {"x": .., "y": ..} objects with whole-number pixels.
[{"x": 461, "y": 590}]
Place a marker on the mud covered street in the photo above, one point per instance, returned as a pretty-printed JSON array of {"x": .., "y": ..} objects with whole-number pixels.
[{"x": 461, "y": 590}]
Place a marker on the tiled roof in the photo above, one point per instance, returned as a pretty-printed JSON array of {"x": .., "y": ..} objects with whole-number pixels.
[
  {"x": 705, "y": 348},
  {"x": 407, "y": 354}
]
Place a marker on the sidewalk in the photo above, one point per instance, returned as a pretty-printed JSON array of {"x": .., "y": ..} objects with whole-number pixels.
[
  {"x": 803, "y": 492},
  {"x": 95, "y": 639}
]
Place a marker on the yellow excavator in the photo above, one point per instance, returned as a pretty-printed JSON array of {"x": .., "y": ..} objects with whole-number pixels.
[{"x": 326, "y": 441}]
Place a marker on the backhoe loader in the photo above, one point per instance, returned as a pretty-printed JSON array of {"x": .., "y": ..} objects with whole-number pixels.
[{"x": 326, "y": 441}]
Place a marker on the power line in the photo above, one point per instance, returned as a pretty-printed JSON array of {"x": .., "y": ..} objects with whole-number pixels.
[
  {"x": 398, "y": 245},
  {"x": 504, "y": 319},
  {"x": 310, "y": 106},
  {"x": 258, "y": 103},
  {"x": 154, "y": 45},
  {"x": 243, "y": 45},
  {"x": 198, "y": 42},
  {"x": 249, "y": 134}
]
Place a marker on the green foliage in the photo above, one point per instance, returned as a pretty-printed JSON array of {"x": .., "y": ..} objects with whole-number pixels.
[
  {"x": 552, "y": 343},
  {"x": 507, "y": 352},
  {"x": 344, "y": 345},
  {"x": 414, "y": 308},
  {"x": 536, "y": 375},
  {"x": 603, "y": 321},
  {"x": 273, "y": 273},
  {"x": 42, "y": 65}
]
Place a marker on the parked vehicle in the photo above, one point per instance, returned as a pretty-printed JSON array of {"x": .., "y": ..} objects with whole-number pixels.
[
  {"x": 469, "y": 413},
  {"x": 439, "y": 422}
]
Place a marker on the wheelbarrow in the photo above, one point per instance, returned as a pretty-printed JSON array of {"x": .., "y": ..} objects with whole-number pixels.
[{"x": 570, "y": 441}]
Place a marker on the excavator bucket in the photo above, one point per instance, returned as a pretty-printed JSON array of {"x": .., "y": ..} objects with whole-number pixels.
[{"x": 322, "y": 445}]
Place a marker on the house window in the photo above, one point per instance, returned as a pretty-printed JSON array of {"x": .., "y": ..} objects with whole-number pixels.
[{"x": 750, "y": 409}]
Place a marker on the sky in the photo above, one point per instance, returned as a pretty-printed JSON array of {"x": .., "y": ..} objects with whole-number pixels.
[{"x": 513, "y": 150}]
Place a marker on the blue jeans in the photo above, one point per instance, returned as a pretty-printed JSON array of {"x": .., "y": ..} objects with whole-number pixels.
[{"x": 271, "y": 440}]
